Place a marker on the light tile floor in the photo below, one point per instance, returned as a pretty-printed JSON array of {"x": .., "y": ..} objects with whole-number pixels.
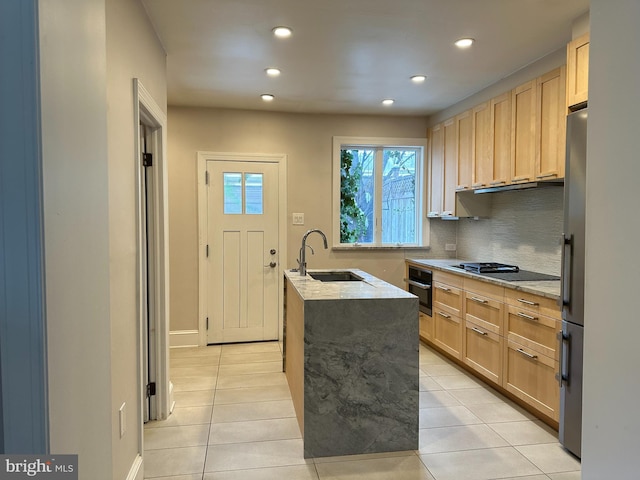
[{"x": 234, "y": 420}]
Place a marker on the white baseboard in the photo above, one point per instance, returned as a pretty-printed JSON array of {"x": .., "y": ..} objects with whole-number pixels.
[
  {"x": 183, "y": 338},
  {"x": 172, "y": 402},
  {"x": 136, "y": 472}
]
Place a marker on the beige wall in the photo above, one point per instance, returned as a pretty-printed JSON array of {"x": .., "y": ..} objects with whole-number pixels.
[
  {"x": 89, "y": 216},
  {"x": 127, "y": 27},
  {"x": 76, "y": 231},
  {"x": 307, "y": 141}
]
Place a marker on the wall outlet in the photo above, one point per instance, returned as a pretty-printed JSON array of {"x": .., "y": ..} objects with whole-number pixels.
[
  {"x": 450, "y": 247},
  {"x": 123, "y": 418},
  {"x": 298, "y": 218}
]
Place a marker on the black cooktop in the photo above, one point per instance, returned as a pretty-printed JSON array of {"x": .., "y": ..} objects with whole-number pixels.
[
  {"x": 509, "y": 273},
  {"x": 488, "y": 267}
]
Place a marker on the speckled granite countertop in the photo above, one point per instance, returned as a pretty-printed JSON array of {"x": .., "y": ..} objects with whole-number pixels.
[
  {"x": 549, "y": 288},
  {"x": 370, "y": 287}
]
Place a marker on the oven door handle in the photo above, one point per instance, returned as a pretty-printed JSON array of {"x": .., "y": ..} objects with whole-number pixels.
[{"x": 423, "y": 286}]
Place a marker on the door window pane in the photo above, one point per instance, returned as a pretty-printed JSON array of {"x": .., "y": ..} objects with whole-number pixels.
[
  {"x": 253, "y": 193},
  {"x": 399, "y": 196},
  {"x": 232, "y": 183}
]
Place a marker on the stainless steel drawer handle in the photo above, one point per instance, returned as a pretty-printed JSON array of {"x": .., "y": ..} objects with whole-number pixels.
[
  {"x": 528, "y": 355},
  {"x": 527, "y": 302},
  {"x": 477, "y": 330},
  {"x": 528, "y": 317},
  {"x": 498, "y": 182},
  {"x": 444, "y": 289},
  {"x": 479, "y": 300},
  {"x": 444, "y": 315},
  {"x": 547, "y": 175}
]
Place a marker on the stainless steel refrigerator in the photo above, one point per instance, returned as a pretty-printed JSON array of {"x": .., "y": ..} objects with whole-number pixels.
[{"x": 572, "y": 295}]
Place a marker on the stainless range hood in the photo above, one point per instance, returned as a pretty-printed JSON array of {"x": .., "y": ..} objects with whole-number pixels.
[{"x": 521, "y": 186}]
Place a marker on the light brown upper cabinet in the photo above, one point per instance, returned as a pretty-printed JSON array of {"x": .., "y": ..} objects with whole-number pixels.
[
  {"x": 464, "y": 129},
  {"x": 450, "y": 168},
  {"x": 436, "y": 164},
  {"x": 501, "y": 138},
  {"x": 482, "y": 164},
  {"x": 523, "y": 132},
  {"x": 551, "y": 125},
  {"x": 578, "y": 70}
]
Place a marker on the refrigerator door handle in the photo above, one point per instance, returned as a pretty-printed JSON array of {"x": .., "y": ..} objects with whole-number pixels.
[
  {"x": 565, "y": 353},
  {"x": 565, "y": 285}
]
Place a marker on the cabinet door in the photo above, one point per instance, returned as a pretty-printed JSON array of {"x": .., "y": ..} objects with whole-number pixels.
[
  {"x": 436, "y": 164},
  {"x": 464, "y": 126},
  {"x": 482, "y": 162},
  {"x": 484, "y": 311},
  {"x": 447, "y": 298},
  {"x": 483, "y": 351},
  {"x": 450, "y": 167},
  {"x": 427, "y": 326},
  {"x": 551, "y": 126},
  {"x": 578, "y": 70},
  {"x": 523, "y": 130},
  {"x": 448, "y": 332},
  {"x": 501, "y": 137},
  {"x": 531, "y": 377},
  {"x": 535, "y": 331}
]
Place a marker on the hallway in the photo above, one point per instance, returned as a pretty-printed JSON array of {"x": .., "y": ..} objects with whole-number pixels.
[{"x": 234, "y": 420}]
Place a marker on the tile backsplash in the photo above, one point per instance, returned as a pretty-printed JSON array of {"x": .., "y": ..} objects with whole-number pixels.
[{"x": 523, "y": 229}]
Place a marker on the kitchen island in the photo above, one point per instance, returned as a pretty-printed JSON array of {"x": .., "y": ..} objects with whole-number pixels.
[{"x": 351, "y": 361}]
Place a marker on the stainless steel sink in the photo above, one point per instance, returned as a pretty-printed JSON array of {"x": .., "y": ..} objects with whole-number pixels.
[{"x": 335, "y": 276}]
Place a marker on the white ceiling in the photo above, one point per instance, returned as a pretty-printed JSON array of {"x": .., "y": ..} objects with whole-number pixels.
[{"x": 345, "y": 56}]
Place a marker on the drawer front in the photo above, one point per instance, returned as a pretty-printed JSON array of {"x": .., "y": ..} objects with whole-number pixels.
[
  {"x": 427, "y": 324},
  {"x": 533, "y": 330},
  {"x": 448, "y": 333},
  {"x": 483, "y": 351},
  {"x": 485, "y": 289},
  {"x": 448, "y": 298},
  {"x": 449, "y": 278},
  {"x": 535, "y": 303},
  {"x": 531, "y": 377},
  {"x": 484, "y": 311}
]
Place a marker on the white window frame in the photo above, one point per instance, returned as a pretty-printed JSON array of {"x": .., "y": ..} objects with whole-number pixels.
[{"x": 421, "y": 173}]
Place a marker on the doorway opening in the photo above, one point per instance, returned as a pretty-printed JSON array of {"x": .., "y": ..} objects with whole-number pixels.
[{"x": 155, "y": 401}]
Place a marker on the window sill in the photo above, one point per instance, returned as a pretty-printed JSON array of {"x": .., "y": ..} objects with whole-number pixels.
[{"x": 345, "y": 248}]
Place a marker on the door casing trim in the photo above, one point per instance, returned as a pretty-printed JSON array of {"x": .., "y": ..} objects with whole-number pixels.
[{"x": 202, "y": 158}]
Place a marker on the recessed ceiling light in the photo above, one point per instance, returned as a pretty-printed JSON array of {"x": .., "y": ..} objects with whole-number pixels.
[
  {"x": 267, "y": 97},
  {"x": 387, "y": 101},
  {"x": 282, "y": 32},
  {"x": 272, "y": 72},
  {"x": 418, "y": 78},
  {"x": 464, "y": 42}
]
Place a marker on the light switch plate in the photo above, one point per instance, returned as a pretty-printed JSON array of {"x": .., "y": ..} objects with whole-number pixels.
[{"x": 298, "y": 218}]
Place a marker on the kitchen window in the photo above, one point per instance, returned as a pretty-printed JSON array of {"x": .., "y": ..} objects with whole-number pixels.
[{"x": 378, "y": 184}]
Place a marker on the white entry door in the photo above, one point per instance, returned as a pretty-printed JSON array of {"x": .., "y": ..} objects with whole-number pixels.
[{"x": 242, "y": 266}]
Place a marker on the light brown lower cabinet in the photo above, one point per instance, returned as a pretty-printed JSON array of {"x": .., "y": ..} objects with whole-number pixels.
[
  {"x": 483, "y": 351},
  {"x": 530, "y": 376},
  {"x": 426, "y": 327},
  {"x": 448, "y": 332},
  {"x": 507, "y": 337}
]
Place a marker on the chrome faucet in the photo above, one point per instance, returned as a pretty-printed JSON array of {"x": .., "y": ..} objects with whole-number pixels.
[{"x": 302, "y": 262}]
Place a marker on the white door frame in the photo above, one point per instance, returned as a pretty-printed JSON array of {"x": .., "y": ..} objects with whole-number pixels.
[
  {"x": 203, "y": 157},
  {"x": 147, "y": 110}
]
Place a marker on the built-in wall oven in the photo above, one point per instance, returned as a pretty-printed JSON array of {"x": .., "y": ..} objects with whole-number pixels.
[{"x": 419, "y": 283}]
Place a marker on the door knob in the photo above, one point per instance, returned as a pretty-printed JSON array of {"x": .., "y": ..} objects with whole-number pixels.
[{"x": 271, "y": 265}]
